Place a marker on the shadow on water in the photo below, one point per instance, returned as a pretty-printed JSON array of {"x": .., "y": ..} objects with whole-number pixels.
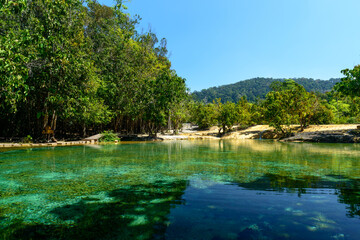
[
  {"x": 142, "y": 211},
  {"x": 275, "y": 176},
  {"x": 347, "y": 190},
  {"x": 139, "y": 212},
  {"x": 271, "y": 207},
  {"x": 351, "y": 196}
]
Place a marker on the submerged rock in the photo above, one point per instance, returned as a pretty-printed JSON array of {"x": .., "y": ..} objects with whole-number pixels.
[
  {"x": 338, "y": 236},
  {"x": 312, "y": 228},
  {"x": 251, "y": 232}
]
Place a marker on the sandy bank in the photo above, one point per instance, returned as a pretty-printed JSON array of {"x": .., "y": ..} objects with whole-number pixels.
[
  {"x": 334, "y": 133},
  {"x": 342, "y": 133}
]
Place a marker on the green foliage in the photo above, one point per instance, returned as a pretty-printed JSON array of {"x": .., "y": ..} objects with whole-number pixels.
[
  {"x": 345, "y": 109},
  {"x": 82, "y": 68},
  {"x": 346, "y": 105},
  {"x": 290, "y": 103},
  {"x": 350, "y": 84},
  {"x": 257, "y": 88},
  {"x": 179, "y": 114},
  {"x": 321, "y": 113},
  {"x": 109, "y": 136},
  {"x": 227, "y": 116},
  {"x": 341, "y": 110},
  {"x": 249, "y": 113},
  {"x": 28, "y": 139},
  {"x": 168, "y": 91},
  {"x": 204, "y": 115},
  {"x": 278, "y": 112}
]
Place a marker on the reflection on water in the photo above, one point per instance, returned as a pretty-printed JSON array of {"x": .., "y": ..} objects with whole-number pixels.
[
  {"x": 139, "y": 212},
  {"x": 182, "y": 190}
]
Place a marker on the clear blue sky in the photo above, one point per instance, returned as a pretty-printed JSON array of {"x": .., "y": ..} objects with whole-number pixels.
[{"x": 220, "y": 42}]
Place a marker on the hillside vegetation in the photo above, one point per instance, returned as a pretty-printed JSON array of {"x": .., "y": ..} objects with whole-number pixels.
[{"x": 257, "y": 88}]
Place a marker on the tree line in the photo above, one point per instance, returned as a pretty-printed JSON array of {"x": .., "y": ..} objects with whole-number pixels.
[
  {"x": 256, "y": 88},
  {"x": 80, "y": 68},
  {"x": 286, "y": 104}
]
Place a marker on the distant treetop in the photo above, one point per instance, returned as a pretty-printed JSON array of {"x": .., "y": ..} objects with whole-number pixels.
[{"x": 257, "y": 88}]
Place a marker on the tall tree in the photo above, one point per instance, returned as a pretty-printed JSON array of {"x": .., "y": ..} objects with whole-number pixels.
[
  {"x": 350, "y": 84},
  {"x": 77, "y": 67}
]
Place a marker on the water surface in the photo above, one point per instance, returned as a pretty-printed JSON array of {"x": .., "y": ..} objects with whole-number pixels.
[{"x": 182, "y": 190}]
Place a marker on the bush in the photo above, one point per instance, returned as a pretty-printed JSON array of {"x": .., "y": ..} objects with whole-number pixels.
[
  {"x": 352, "y": 120},
  {"x": 109, "y": 136},
  {"x": 204, "y": 115},
  {"x": 28, "y": 139}
]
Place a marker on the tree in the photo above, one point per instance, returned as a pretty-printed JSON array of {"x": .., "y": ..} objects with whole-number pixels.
[
  {"x": 227, "y": 116},
  {"x": 287, "y": 104},
  {"x": 13, "y": 70},
  {"x": 257, "y": 88},
  {"x": 165, "y": 93},
  {"x": 321, "y": 112},
  {"x": 249, "y": 113},
  {"x": 277, "y": 112},
  {"x": 52, "y": 69},
  {"x": 78, "y": 67},
  {"x": 350, "y": 88},
  {"x": 350, "y": 84},
  {"x": 204, "y": 115}
]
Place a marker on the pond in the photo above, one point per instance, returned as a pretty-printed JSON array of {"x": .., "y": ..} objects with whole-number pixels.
[{"x": 182, "y": 190}]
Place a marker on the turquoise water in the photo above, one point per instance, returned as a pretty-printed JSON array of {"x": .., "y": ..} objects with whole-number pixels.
[{"x": 182, "y": 190}]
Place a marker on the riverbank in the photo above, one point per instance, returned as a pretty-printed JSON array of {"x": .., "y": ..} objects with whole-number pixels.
[
  {"x": 332, "y": 133},
  {"x": 335, "y": 133},
  {"x": 51, "y": 144}
]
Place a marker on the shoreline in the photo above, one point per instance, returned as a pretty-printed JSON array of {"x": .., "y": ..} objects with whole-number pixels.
[
  {"x": 52, "y": 144},
  {"x": 339, "y": 133}
]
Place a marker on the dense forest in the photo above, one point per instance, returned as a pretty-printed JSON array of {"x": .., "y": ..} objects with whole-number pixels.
[
  {"x": 81, "y": 67},
  {"x": 257, "y": 88}
]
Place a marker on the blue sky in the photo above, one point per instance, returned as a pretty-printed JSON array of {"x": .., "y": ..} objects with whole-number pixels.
[{"x": 221, "y": 42}]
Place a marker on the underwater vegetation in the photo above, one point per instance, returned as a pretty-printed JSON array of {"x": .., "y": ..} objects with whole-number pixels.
[{"x": 181, "y": 190}]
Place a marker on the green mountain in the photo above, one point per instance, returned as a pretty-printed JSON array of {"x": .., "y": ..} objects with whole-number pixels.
[{"x": 257, "y": 88}]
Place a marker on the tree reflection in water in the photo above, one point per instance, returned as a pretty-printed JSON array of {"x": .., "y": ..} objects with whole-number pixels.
[{"x": 140, "y": 212}]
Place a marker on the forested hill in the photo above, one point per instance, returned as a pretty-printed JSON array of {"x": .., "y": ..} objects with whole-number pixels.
[{"x": 257, "y": 87}]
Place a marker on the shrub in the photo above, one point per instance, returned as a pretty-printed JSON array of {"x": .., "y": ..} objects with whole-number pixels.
[
  {"x": 28, "y": 139},
  {"x": 108, "y": 136}
]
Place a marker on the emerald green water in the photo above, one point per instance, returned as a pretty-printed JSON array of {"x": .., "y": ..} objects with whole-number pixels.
[{"x": 182, "y": 190}]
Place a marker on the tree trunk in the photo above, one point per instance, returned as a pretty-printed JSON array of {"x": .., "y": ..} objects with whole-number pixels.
[
  {"x": 169, "y": 122},
  {"x": 46, "y": 119},
  {"x": 53, "y": 121},
  {"x": 84, "y": 130}
]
